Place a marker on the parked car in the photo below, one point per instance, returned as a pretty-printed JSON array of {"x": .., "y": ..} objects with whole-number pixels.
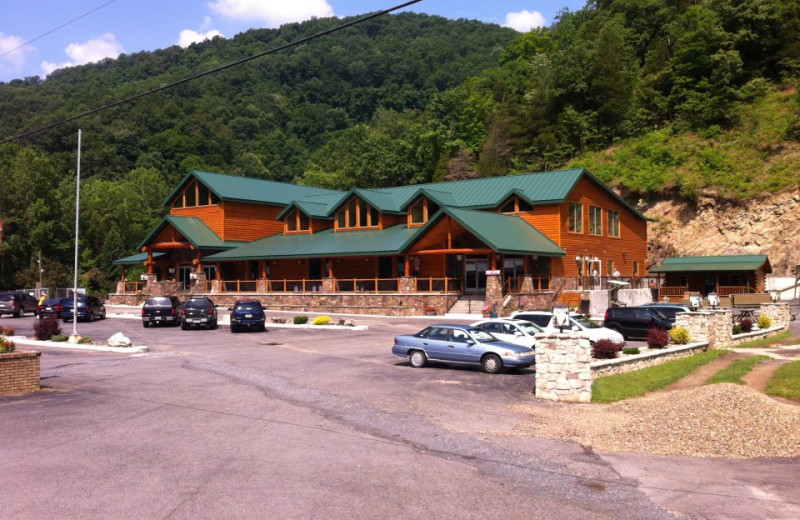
[
  {"x": 636, "y": 321},
  {"x": 50, "y": 307},
  {"x": 162, "y": 309},
  {"x": 17, "y": 304},
  {"x": 669, "y": 309},
  {"x": 519, "y": 332},
  {"x": 248, "y": 314},
  {"x": 461, "y": 344},
  {"x": 89, "y": 308},
  {"x": 577, "y": 323},
  {"x": 199, "y": 312}
]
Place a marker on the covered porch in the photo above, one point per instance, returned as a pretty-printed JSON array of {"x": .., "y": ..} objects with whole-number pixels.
[{"x": 722, "y": 275}]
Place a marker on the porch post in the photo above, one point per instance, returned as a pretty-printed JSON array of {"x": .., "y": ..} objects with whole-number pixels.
[
  {"x": 150, "y": 261},
  {"x": 407, "y": 266},
  {"x": 329, "y": 282}
]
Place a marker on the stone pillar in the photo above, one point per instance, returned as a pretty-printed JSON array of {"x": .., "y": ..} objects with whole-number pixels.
[
  {"x": 779, "y": 312},
  {"x": 698, "y": 324},
  {"x": 198, "y": 284},
  {"x": 527, "y": 284},
  {"x": 120, "y": 287},
  {"x": 261, "y": 286},
  {"x": 722, "y": 323},
  {"x": 216, "y": 286},
  {"x": 406, "y": 285},
  {"x": 494, "y": 291},
  {"x": 563, "y": 371},
  {"x": 151, "y": 287},
  {"x": 329, "y": 285}
]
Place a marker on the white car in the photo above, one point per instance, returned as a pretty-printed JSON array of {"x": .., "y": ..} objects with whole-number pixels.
[
  {"x": 519, "y": 332},
  {"x": 578, "y": 323}
]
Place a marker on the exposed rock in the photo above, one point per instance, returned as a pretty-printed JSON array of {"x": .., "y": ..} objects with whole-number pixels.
[{"x": 119, "y": 340}]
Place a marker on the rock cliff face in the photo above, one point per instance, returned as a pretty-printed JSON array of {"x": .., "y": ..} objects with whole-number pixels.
[{"x": 710, "y": 226}]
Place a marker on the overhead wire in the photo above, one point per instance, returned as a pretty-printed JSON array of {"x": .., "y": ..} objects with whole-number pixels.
[{"x": 212, "y": 71}]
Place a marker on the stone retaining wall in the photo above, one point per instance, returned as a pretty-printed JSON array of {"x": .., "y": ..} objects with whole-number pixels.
[
  {"x": 622, "y": 365},
  {"x": 19, "y": 372},
  {"x": 744, "y": 337},
  {"x": 778, "y": 312}
]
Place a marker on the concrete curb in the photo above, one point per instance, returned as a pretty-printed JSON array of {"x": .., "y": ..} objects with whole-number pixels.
[{"x": 21, "y": 340}]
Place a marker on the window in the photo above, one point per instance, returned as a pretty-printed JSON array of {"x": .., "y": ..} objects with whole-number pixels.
[
  {"x": 635, "y": 268},
  {"x": 595, "y": 220},
  {"x": 357, "y": 214},
  {"x": 509, "y": 207},
  {"x": 610, "y": 264},
  {"x": 302, "y": 221},
  {"x": 195, "y": 194},
  {"x": 575, "y": 217},
  {"x": 202, "y": 195},
  {"x": 416, "y": 212},
  {"x": 613, "y": 223},
  {"x": 297, "y": 221},
  {"x": 291, "y": 222},
  {"x": 190, "y": 196}
]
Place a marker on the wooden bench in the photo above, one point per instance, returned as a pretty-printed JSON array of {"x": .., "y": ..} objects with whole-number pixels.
[{"x": 749, "y": 300}]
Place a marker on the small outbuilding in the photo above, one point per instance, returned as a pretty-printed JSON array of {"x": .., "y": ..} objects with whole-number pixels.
[{"x": 723, "y": 275}]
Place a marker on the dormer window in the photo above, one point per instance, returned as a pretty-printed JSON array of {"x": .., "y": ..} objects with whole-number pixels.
[
  {"x": 357, "y": 214},
  {"x": 297, "y": 222},
  {"x": 420, "y": 211},
  {"x": 195, "y": 194},
  {"x": 516, "y": 205}
]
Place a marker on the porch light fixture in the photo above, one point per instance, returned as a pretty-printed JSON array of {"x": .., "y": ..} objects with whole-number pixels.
[
  {"x": 775, "y": 295},
  {"x": 171, "y": 270},
  {"x": 595, "y": 259},
  {"x": 713, "y": 300},
  {"x": 578, "y": 258}
]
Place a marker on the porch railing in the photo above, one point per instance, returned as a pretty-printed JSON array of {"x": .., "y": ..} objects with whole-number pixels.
[
  {"x": 238, "y": 286},
  {"x": 513, "y": 284},
  {"x": 672, "y": 291},
  {"x": 289, "y": 286},
  {"x": 373, "y": 285},
  {"x": 132, "y": 287},
  {"x": 438, "y": 285},
  {"x": 727, "y": 290}
]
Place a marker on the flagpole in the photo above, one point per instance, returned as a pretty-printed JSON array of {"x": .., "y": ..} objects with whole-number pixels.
[{"x": 77, "y": 221}]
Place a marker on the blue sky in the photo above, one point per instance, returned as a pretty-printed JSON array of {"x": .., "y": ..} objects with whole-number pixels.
[{"x": 112, "y": 27}]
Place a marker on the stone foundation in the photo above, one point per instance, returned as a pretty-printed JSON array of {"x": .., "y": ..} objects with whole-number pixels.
[
  {"x": 528, "y": 301},
  {"x": 779, "y": 312},
  {"x": 563, "y": 371},
  {"x": 19, "y": 372}
]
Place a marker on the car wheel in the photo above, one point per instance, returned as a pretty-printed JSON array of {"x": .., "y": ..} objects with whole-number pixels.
[
  {"x": 263, "y": 327},
  {"x": 103, "y": 316},
  {"x": 233, "y": 329},
  {"x": 90, "y": 317},
  {"x": 417, "y": 358},
  {"x": 183, "y": 326},
  {"x": 145, "y": 324},
  {"x": 491, "y": 364},
  {"x": 20, "y": 313}
]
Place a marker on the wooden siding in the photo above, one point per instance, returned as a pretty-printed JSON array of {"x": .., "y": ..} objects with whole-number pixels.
[
  {"x": 546, "y": 219},
  {"x": 248, "y": 222},
  {"x": 288, "y": 269},
  {"x": 213, "y": 216},
  {"x": 355, "y": 267},
  {"x": 392, "y": 220}
]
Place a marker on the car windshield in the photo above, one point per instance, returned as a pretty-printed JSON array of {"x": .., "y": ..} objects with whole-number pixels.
[
  {"x": 6, "y": 297},
  {"x": 661, "y": 313},
  {"x": 584, "y": 322},
  {"x": 529, "y": 327},
  {"x": 158, "y": 302},
  {"x": 247, "y": 306},
  {"x": 197, "y": 304},
  {"x": 52, "y": 301},
  {"x": 481, "y": 335}
]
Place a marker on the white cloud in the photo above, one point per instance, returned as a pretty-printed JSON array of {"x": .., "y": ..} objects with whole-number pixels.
[
  {"x": 104, "y": 46},
  {"x": 188, "y": 36},
  {"x": 16, "y": 58},
  {"x": 270, "y": 12},
  {"x": 524, "y": 21}
]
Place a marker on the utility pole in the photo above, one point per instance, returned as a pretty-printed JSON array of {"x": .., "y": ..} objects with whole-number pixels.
[{"x": 74, "y": 337}]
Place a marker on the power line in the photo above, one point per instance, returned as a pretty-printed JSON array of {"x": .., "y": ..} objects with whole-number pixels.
[
  {"x": 213, "y": 71},
  {"x": 51, "y": 31}
]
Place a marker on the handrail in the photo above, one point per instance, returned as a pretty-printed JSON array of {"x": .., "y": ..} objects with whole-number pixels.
[
  {"x": 248, "y": 286},
  {"x": 136, "y": 287}
]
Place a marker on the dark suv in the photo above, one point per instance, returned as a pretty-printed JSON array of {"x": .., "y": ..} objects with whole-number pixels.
[
  {"x": 248, "y": 314},
  {"x": 636, "y": 321},
  {"x": 199, "y": 312},
  {"x": 51, "y": 307},
  {"x": 162, "y": 309},
  {"x": 89, "y": 308},
  {"x": 17, "y": 304}
]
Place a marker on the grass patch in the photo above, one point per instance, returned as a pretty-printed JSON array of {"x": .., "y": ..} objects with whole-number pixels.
[
  {"x": 734, "y": 372},
  {"x": 766, "y": 342},
  {"x": 785, "y": 381},
  {"x": 634, "y": 384}
]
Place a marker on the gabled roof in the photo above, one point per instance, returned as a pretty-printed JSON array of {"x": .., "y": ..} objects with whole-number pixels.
[
  {"x": 688, "y": 264},
  {"x": 136, "y": 259},
  {"x": 194, "y": 230},
  {"x": 243, "y": 189}
]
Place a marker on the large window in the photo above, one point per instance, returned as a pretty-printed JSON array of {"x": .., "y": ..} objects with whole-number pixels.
[
  {"x": 595, "y": 220},
  {"x": 613, "y": 223},
  {"x": 195, "y": 194},
  {"x": 416, "y": 213},
  {"x": 297, "y": 221},
  {"x": 357, "y": 214},
  {"x": 575, "y": 217}
]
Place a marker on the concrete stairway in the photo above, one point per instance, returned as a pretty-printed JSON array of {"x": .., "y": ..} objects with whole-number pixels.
[{"x": 468, "y": 305}]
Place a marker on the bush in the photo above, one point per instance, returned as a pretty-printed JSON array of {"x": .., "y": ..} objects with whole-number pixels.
[
  {"x": 84, "y": 340},
  {"x": 300, "y": 320},
  {"x": 322, "y": 320},
  {"x": 657, "y": 338},
  {"x": 7, "y": 331},
  {"x": 737, "y": 329},
  {"x": 630, "y": 350},
  {"x": 606, "y": 349},
  {"x": 6, "y": 345},
  {"x": 764, "y": 322},
  {"x": 679, "y": 335},
  {"x": 747, "y": 325},
  {"x": 46, "y": 328},
  {"x": 59, "y": 337}
]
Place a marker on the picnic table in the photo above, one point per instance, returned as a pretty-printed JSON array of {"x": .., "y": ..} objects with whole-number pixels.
[{"x": 745, "y": 313}]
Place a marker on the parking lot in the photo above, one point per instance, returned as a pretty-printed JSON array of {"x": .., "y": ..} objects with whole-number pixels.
[{"x": 316, "y": 423}]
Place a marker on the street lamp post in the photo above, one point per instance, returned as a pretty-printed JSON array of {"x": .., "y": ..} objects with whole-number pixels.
[{"x": 74, "y": 337}]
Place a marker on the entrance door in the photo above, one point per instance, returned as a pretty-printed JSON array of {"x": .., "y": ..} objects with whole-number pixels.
[
  {"x": 183, "y": 276},
  {"x": 475, "y": 273}
]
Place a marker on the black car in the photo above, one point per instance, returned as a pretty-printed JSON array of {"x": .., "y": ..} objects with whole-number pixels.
[
  {"x": 17, "y": 304},
  {"x": 636, "y": 321},
  {"x": 90, "y": 308},
  {"x": 50, "y": 307},
  {"x": 248, "y": 314},
  {"x": 669, "y": 309},
  {"x": 199, "y": 312},
  {"x": 162, "y": 309}
]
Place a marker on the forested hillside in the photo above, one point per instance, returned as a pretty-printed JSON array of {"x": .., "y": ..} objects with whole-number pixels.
[{"x": 659, "y": 98}]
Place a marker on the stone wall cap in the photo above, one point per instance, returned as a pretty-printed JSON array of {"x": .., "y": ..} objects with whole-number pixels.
[{"x": 20, "y": 354}]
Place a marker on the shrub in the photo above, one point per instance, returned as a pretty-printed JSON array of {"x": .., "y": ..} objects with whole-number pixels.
[
  {"x": 6, "y": 345},
  {"x": 300, "y": 320},
  {"x": 84, "y": 340},
  {"x": 747, "y": 325},
  {"x": 679, "y": 335},
  {"x": 46, "y": 328},
  {"x": 322, "y": 320},
  {"x": 737, "y": 329},
  {"x": 764, "y": 322},
  {"x": 657, "y": 338},
  {"x": 630, "y": 350},
  {"x": 7, "y": 331},
  {"x": 59, "y": 337},
  {"x": 606, "y": 349}
]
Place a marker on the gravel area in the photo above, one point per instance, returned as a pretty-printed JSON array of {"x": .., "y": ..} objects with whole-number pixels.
[{"x": 722, "y": 420}]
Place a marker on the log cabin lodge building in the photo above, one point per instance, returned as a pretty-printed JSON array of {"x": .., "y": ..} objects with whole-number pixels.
[{"x": 518, "y": 241}]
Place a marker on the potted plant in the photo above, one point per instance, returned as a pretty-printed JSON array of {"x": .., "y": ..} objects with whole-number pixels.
[{"x": 430, "y": 310}]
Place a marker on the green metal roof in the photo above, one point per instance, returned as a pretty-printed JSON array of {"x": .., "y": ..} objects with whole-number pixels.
[
  {"x": 508, "y": 234},
  {"x": 325, "y": 243},
  {"x": 136, "y": 259},
  {"x": 688, "y": 264},
  {"x": 243, "y": 189},
  {"x": 194, "y": 230}
]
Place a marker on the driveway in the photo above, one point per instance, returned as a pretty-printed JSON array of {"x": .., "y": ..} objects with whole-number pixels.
[{"x": 310, "y": 423}]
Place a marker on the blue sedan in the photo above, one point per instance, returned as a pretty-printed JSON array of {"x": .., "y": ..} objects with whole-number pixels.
[{"x": 461, "y": 344}]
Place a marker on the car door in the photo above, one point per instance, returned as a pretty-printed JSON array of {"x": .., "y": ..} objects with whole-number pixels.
[
  {"x": 641, "y": 322},
  {"x": 506, "y": 332},
  {"x": 461, "y": 349},
  {"x": 435, "y": 343}
]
